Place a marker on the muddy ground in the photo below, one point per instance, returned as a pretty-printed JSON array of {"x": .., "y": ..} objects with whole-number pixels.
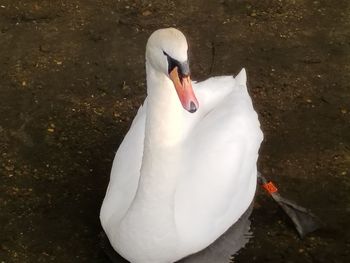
[{"x": 72, "y": 77}]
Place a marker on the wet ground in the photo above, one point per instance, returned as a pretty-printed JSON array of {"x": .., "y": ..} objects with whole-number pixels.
[{"x": 72, "y": 77}]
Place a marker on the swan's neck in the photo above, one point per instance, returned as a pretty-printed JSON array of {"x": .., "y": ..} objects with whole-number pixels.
[
  {"x": 165, "y": 115},
  {"x": 152, "y": 210},
  {"x": 161, "y": 161},
  {"x": 163, "y": 137}
]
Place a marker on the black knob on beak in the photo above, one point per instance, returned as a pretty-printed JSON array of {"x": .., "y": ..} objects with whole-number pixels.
[{"x": 193, "y": 107}]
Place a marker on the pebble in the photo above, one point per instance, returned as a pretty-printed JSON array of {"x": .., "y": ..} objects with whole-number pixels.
[{"x": 146, "y": 13}]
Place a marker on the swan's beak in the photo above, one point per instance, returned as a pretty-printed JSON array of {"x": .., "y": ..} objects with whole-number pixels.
[{"x": 184, "y": 90}]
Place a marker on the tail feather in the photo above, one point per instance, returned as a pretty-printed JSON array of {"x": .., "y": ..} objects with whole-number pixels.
[{"x": 221, "y": 251}]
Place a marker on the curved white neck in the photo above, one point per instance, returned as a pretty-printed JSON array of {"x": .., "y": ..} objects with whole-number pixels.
[
  {"x": 165, "y": 115},
  {"x": 161, "y": 163},
  {"x": 163, "y": 136}
]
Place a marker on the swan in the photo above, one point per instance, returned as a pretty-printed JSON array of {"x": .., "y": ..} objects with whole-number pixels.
[{"x": 186, "y": 169}]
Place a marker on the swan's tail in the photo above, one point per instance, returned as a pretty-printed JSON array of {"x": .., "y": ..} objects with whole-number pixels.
[{"x": 221, "y": 251}]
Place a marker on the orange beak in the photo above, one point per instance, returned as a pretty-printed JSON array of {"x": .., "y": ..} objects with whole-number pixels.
[{"x": 184, "y": 90}]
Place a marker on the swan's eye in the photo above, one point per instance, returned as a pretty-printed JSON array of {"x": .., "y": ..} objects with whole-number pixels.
[
  {"x": 183, "y": 68},
  {"x": 172, "y": 63}
]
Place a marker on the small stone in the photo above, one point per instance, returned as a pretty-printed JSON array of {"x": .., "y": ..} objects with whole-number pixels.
[
  {"x": 9, "y": 168},
  {"x": 344, "y": 111},
  {"x": 146, "y": 13}
]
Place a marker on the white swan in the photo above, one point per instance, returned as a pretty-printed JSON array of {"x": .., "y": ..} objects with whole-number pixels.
[{"x": 180, "y": 179}]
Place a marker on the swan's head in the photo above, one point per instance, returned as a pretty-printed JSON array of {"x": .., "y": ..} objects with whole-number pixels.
[{"x": 166, "y": 52}]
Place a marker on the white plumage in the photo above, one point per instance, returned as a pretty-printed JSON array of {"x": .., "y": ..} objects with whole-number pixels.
[{"x": 180, "y": 180}]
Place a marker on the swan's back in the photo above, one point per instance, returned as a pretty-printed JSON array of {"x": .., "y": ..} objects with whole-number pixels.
[{"x": 221, "y": 175}]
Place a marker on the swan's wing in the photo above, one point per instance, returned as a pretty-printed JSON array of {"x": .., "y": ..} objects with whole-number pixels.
[
  {"x": 210, "y": 93},
  {"x": 214, "y": 90},
  {"x": 125, "y": 171},
  {"x": 219, "y": 179}
]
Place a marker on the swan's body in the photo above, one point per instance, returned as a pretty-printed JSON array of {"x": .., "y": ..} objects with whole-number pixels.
[{"x": 180, "y": 180}]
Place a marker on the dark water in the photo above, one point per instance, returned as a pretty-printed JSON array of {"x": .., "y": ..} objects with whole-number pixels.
[{"x": 72, "y": 77}]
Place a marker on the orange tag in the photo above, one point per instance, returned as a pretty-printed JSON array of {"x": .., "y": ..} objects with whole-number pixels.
[{"x": 270, "y": 187}]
